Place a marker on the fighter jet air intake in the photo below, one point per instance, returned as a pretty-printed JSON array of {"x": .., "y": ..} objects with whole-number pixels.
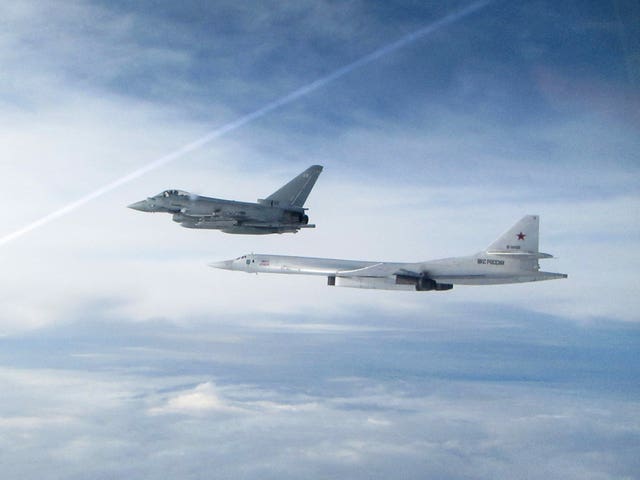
[
  {"x": 512, "y": 258},
  {"x": 280, "y": 212}
]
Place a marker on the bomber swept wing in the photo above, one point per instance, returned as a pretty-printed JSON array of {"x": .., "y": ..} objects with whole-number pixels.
[
  {"x": 281, "y": 212},
  {"x": 380, "y": 269},
  {"x": 512, "y": 258}
]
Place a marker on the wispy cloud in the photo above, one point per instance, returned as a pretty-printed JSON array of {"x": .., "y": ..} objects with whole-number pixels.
[{"x": 248, "y": 118}]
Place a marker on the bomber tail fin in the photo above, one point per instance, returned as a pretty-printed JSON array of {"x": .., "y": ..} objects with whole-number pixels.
[
  {"x": 295, "y": 192},
  {"x": 520, "y": 240}
]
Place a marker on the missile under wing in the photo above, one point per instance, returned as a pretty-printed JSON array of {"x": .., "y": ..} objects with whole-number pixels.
[
  {"x": 512, "y": 258},
  {"x": 281, "y": 212}
]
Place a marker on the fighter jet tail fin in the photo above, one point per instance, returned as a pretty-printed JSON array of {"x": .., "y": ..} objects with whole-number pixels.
[
  {"x": 520, "y": 239},
  {"x": 295, "y": 192}
]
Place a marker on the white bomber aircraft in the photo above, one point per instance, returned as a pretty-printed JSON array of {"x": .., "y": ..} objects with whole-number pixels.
[{"x": 512, "y": 258}]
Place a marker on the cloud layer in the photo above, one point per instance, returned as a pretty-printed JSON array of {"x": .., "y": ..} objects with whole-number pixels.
[{"x": 440, "y": 398}]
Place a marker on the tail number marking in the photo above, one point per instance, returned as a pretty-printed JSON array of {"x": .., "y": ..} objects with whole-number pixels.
[{"x": 489, "y": 261}]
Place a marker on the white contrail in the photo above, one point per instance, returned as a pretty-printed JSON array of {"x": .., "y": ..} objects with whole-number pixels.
[{"x": 229, "y": 127}]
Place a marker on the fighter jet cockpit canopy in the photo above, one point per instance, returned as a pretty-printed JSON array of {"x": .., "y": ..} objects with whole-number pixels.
[{"x": 174, "y": 193}]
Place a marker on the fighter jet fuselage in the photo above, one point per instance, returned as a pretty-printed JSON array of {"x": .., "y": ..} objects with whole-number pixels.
[{"x": 281, "y": 212}]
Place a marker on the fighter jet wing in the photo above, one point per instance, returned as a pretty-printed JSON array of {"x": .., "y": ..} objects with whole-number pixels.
[{"x": 275, "y": 225}]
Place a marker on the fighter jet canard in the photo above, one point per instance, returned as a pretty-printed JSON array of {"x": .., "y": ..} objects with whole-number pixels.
[
  {"x": 512, "y": 258},
  {"x": 281, "y": 212}
]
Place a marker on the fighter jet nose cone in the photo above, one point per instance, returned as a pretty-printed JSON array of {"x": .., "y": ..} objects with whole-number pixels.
[
  {"x": 142, "y": 206},
  {"x": 224, "y": 264}
]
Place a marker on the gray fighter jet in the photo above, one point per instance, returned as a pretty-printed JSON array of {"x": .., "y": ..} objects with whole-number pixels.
[
  {"x": 512, "y": 258},
  {"x": 280, "y": 212}
]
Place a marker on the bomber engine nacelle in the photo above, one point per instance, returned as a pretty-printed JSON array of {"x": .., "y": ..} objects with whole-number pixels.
[
  {"x": 423, "y": 283},
  {"x": 400, "y": 282},
  {"x": 376, "y": 283}
]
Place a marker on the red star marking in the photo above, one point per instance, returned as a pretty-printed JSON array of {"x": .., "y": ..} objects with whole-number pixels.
[{"x": 520, "y": 236}]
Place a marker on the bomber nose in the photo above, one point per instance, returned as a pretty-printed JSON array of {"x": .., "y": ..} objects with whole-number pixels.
[
  {"x": 142, "y": 206},
  {"x": 224, "y": 264}
]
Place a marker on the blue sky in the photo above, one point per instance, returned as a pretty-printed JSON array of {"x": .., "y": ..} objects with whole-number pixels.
[{"x": 122, "y": 353}]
